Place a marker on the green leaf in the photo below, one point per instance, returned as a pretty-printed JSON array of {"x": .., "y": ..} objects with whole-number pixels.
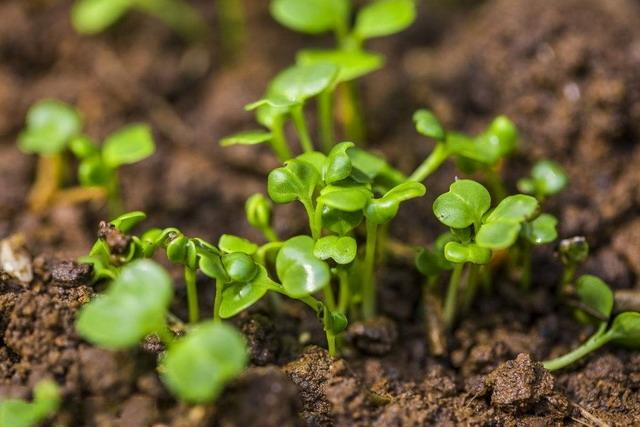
[
  {"x": 83, "y": 147},
  {"x": 18, "y": 413},
  {"x": 433, "y": 262},
  {"x": 94, "y": 16},
  {"x": 197, "y": 367},
  {"x": 211, "y": 265},
  {"x": 335, "y": 322},
  {"x": 133, "y": 306},
  {"x": 498, "y": 235},
  {"x": 340, "y": 222},
  {"x": 93, "y": 171},
  {"x": 50, "y": 126},
  {"x": 501, "y": 227},
  {"x": 177, "y": 250},
  {"x": 128, "y": 145},
  {"x": 300, "y": 272},
  {"x": 384, "y": 17},
  {"x": 463, "y": 205},
  {"x": 625, "y": 330},
  {"x": 459, "y": 253},
  {"x": 127, "y": 221},
  {"x": 237, "y": 297},
  {"x": 541, "y": 230},
  {"x": 310, "y": 16},
  {"x": 251, "y": 137},
  {"x": 428, "y": 125},
  {"x": 240, "y": 267},
  {"x": 549, "y": 178},
  {"x": 338, "y": 164},
  {"x": 230, "y": 243},
  {"x": 385, "y": 208},
  {"x": 351, "y": 64},
  {"x": 315, "y": 158},
  {"x": 595, "y": 293},
  {"x": 342, "y": 249},
  {"x": 301, "y": 82},
  {"x": 296, "y": 180},
  {"x": 574, "y": 250},
  {"x": 499, "y": 140},
  {"x": 347, "y": 198},
  {"x": 258, "y": 211}
]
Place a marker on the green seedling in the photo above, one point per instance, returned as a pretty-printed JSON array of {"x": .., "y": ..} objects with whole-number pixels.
[
  {"x": 547, "y": 178},
  {"x": 99, "y": 165},
  {"x": 573, "y": 252},
  {"x": 376, "y": 19},
  {"x": 195, "y": 367},
  {"x": 483, "y": 152},
  {"x": 477, "y": 232},
  {"x": 258, "y": 210},
  {"x": 539, "y": 231},
  {"x": 95, "y": 16},
  {"x": 18, "y": 413},
  {"x": 596, "y": 300}
]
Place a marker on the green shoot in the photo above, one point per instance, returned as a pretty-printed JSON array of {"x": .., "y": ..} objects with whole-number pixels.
[
  {"x": 573, "y": 252},
  {"x": 95, "y": 16},
  {"x": 18, "y": 413},
  {"x": 596, "y": 298},
  {"x": 547, "y": 178},
  {"x": 539, "y": 231}
]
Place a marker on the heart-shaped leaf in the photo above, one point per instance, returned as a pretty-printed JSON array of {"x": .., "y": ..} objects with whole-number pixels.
[
  {"x": 541, "y": 230},
  {"x": 229, "y": 243},
  {"x": 198, "y": 366},
  {"x": 50, "y": 126},
  {"x": 596, "y": 294},
  {"x": 351, "y": 64},
  {"x": 428, "y": 125},
  {"x": 310, "y": 16},
  {"x": 128, "y": 145},
  {"x": 347, "y": 198},
  {"x": 384, "y": 17},
  {"x": 382, "y": 210},
  {"x": 297, "y": 180},
  {"x": 299, "y": 270},
  {"x": 133, "y": 306},
  {"x": 238, "y": 296},
  {"x": 463, "y": 205},
  {"x": 459, "y": 253},
  {"x": 501, "y": 227},
  {"x": 342, "y": 249}
]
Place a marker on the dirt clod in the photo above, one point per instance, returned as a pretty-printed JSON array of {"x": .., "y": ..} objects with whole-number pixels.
[
  {"x": 70, "y": 273},
  {"x": 117, "y": 241},
  {"x": 374, "y": 337}
]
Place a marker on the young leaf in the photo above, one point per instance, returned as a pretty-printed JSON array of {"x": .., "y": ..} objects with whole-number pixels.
[
  {"x": 177, "y": 250},
  {"x": 229, "y": 243},
  {"x": 50, "y": 126},
  {"x": 595, "y": 293},
  {"x": 541, "y": 230},
  {"x": 351, "y": 64},
  {"x": 240, "y": 267},
  {"x": 127, "y": 221},
  {"x": 239, "y": 296},
  {"x": 625, "y": 330},
  {"x": 301, "y": 82},
  {"x": 300, "y": 272},
  {"x": 94, "y": 16},
  {"x": 384, "y": 17},
  {"x": 459, "y": 253},
  {"x": 573, "y": 250},
  {"x": 83, "y": 147},
  {"x": 428, "y": 125},
  {"x": 463, "y": 205},
  {"x": 251, "y": 137},
  {"x": 258, "y": 211},
  {"x": 346, "y": 198},
  {"x": 211, "y": 265},
  {"x": 18, "y": 413},
  {"x": 547, "y": 178},
  {"x": 309, "y": 16},
  {"x": 315, "y": 158},
  {"x": 296, "y": 180},
  {"x": 340, "y": 222},
  {"x": 433, "y": 262},
  {"x": 338, "y": 164},
  {"x": 342, "y": 249},
  {"x": 133, "y": 306},
  {"x": 489, "y": 147},
  {"x": 198, "y": 366},
  {"x": 128, "y": 145},
  {"x": 382, "y": 210},
  {"x": 501, "y": 227}
]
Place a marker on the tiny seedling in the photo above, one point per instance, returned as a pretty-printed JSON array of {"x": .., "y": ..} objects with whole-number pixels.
[
  {"x": 376, "y": 19},
  {"x": 596, "y": 300},
  {"x": 477, "y": 232},
  {"x": 547, "y": 178},
  {"x": 195, "y": 367},
  {"x": 573, "y": 252},
  {"x": 95, "y": 16},
  {"x": 483, "y": 152},
  {"x": 18, "y": 413},
  {"x": 258, "y": 210}
]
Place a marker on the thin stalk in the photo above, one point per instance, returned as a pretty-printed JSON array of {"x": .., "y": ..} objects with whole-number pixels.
[
  {"x": 496, "y": 185},
  {"x": 433, "y": 318},
  {"x": 311, "y": 215},
  {"x": 114, "y": 199},
  {"x": 325, "y": 120},
  {"x": 450, "y": 303},
  {"x": 352, "y": 113},
  {"x": 431, "y": 164},
  {"x": 472, "y": 286},
  {"x": 269, "y": 234},
  {"x": 368, "y": 284},
  {"x": 192, "y": 294},
  {"x": 329, "y": 297},
  {"x": 526, "y": 253},
  {"x": 596, "y": 341},
  {"x": 567, "y": 277},
  {"x": 345, "y": 291},
  {"x": 178, "y": 15},
  {"x": 232, "y": 26},
  {"x": 279, "y": 140},
  {"x": 300, "y": 123},
  {"x": 217, "y": 301},
  {"x": 331, "y": 344}
]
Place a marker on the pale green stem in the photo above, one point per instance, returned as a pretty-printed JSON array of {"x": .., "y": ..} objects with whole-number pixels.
[
  {"x": 279, "y": 140},
  {"x": 525, "y": 280},
  {"x": 451, "y": 303},
  {"x": 300, "y": 123},
  {"x": 567, "y": 277},
  {"x": 354, "y": 122},
  {"x": 345, "y": 290},
  {"x": 269, "y": 234},
  {"x": 368, "y": 284},
  {"x": 431, "y": 164},
  {"x": 313, "y": 223},
  {"x": 217, "y": 301},
  {"x": 596, "y": 341},
  {"x": 325, "y": 120},
  {"x": 496, "y": 185},
  {"x": 192, "y": 294},
  {"x": 472, "y": 286}
]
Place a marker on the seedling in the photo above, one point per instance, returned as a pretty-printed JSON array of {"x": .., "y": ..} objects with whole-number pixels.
[
  {"x": 573, "y": 252},
  {"x": 597, "y": 298},
  {"x": 258, "y": 210},
  {"x": 483, "y": 152},
  {"x": 547, "y": 178},
  {"x": 195, "y": 367},
  {"x": 477, "y": 232},
  {"x": 95, "y": 16},
  {"x": 377, "y": 19},
  {"x": 540, "y": 231},
  {"x": 18, "y": 413}
]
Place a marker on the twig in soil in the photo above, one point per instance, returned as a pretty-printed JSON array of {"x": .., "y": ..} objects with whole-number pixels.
[{"x": 589, "y": 416}]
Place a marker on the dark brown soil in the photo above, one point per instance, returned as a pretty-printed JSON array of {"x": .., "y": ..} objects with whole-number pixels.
[{"x": 567, "y": 72}]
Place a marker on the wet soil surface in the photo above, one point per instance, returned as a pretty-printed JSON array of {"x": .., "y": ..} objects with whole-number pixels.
[{"x": 570, "y": 81}]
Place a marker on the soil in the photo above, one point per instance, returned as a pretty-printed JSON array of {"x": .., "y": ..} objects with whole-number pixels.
[{"x": 568, "y": 73}]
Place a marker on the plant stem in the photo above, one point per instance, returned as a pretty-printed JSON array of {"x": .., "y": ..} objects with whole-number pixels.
[
  {"x": 525, "y": 280},
  {"x": 494, "y": 180},
  {"x": 352, "y": 113},
  {"x": 472, "y": 286},
  {"x": 433, "y": 318},
  {"x": 368, "y": 284},
  {"x": 269, "y": 234},
  {"x": 178, "y": 15},
  {"x": 452, "y": 296},
  {"x": 192, "y": 294},
  {"x": 232, "y": 26},
  {"x": 114, "y": 199},
  {"x": 325, "y": 120},
  {"x": 311, "y": 214},
  {"x": 439, "y": 154},
  {"x": 329, "y": 297},
  {"x": 596, "y": 341},
  {"x": 217, "y": 301},
  {"x": 345, "y": 291},
  {"x": 300, "y": 123},
  {"x": 331, "y": 344},
  {"x": 47, "y": 182},
  {"x": 567, "y": 277},
  {"x": 279, "y": 140}
]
